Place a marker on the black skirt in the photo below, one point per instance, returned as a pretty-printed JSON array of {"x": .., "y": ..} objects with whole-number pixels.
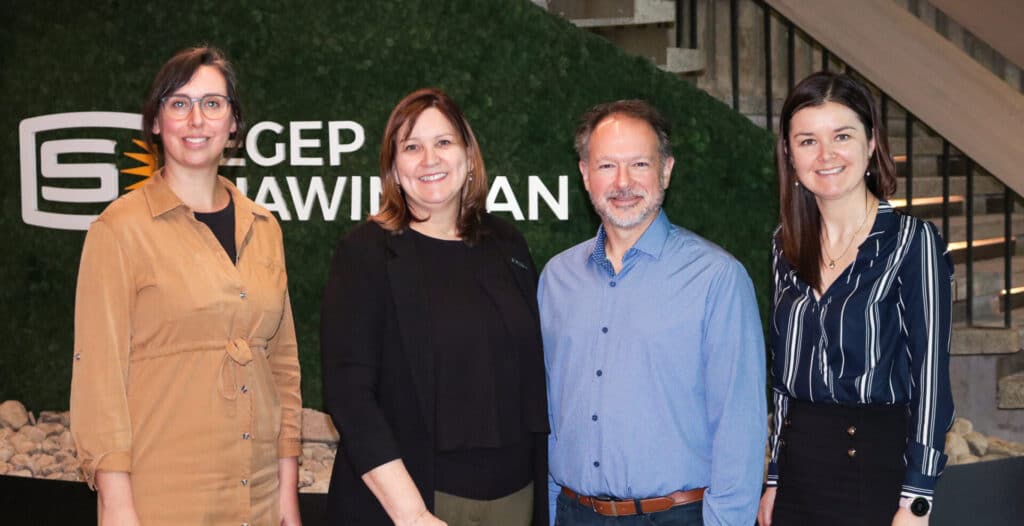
[{"x": 840, "y": 465}]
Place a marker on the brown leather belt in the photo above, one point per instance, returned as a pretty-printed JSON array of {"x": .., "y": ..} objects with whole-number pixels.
[{"x": 618, "y": 508}]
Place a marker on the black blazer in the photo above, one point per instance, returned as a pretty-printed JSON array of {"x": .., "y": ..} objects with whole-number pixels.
[{"x": 379, "y": 381}]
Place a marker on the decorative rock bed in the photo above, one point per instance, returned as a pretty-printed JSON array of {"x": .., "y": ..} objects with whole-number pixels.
[{"x": 42, "y": 447}]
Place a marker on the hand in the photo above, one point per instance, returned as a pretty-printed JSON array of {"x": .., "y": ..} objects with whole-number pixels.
[
  {"x": 767, "y": 506},
  {"x": 904, "y": 517}
]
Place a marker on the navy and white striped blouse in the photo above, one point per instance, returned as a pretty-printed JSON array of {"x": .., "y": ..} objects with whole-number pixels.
[{"x": 878, "y": 336}]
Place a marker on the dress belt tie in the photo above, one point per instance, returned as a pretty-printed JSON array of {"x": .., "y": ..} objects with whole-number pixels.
[{"x": 237, "y": 354}]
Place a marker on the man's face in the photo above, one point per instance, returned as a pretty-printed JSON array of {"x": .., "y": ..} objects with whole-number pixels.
[{"x": 623, "y": 173}]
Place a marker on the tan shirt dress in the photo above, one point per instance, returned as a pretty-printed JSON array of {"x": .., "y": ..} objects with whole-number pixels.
[{"x": 186, "y": 370}]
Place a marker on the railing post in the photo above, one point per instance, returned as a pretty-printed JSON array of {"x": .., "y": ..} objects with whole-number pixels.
[
  {"x": 824, "y": 58},
  {"x": 679, "y": 23},
  {"x": 734, "y": 52},
  {"x": 909, "y": 176},
  {"x": 693, "y": 23},
  {"x": 969, "y": 211},
  {"x": 944, "y": 172},
  {"x": 768, "y": 68},
  {"x": 790, "y": 53},
  {"x": 1007, "y": 254}
]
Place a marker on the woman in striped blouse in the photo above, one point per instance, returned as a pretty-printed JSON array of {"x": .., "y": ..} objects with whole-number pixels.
[{"x": 860, "y": 324}]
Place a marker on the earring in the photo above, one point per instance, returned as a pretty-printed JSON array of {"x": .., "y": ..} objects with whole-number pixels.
[
  {"x": 867, "y": 173},
  {"x": 796, "y": 183}
]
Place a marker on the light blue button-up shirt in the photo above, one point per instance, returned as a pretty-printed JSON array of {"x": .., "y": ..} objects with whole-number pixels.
[{"x": 656, "y": 375}]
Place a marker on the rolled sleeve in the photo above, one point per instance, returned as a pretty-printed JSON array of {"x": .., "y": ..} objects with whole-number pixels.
[{"x": 104, "y": 301}]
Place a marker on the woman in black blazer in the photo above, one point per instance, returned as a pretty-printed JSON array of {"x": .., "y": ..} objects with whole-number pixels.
[{"x": 432, "y": 358}]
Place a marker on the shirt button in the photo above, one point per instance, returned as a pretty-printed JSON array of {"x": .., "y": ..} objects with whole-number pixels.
[
  {"x": 242, "y": 294},
  {"x": 604, "y": 330},
  {"x": 245, "y": 482},
  {"x": 78, "y": 356},
  {"x": 852, "y": 430},
  {"x": 851, "y": 452},
  {"x": 246, "y": 436},
  {"x": 244, "y": 389},
  {"x": 597, "y": 464},
  {"x": 594, "y": 418},
  {"x": 611, "y": 284},
  {"x": 599, "y": 373}
]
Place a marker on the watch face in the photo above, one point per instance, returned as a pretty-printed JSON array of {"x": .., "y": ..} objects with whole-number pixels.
[{"x": 920, "y": 507}]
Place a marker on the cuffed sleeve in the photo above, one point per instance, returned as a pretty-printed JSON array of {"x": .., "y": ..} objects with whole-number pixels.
[
  {"x": 781, "y": 403},
  {"x": 925, "y": 296},
  {"x": 104, "y": 301},
  {"x": 284, "y": 365},
  {"x": 734, "y": 383}
]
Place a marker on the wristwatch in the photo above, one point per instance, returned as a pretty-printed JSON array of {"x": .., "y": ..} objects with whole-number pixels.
[{"x": 919, "y": 506}]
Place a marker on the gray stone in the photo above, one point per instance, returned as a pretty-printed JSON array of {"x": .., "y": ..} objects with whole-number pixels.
[
  {"x": 1011, "y": 391},
  {"x": 317, "y": 427},
  {"x": 956, "y": 446},
  {"x": 977, "y": 442},
  {"x": 4, "y": 468},
  {"x": 21, "y": 473},
  {"x": 50, "y": 417},
  {"x": 306, "y": 478},
  {"x": 22, "y": 461},
  {"x": 6, "y": 452},
  {"x": 982, "y": 340},
  {"x": 1005, "y": 447},
  {"x": 13, "y": 414},
  {"x": 51, "y": 445},
  {"x": 961, "y": 426},
  {"x": 33, "y": 433},
  {"x": 67, "y": 441},
  {"x": 50, "y": 428},
  {"x": 993, "y": 456},
  {"x": 23, "y": 444},
  {"x": 967, "y": 459}
]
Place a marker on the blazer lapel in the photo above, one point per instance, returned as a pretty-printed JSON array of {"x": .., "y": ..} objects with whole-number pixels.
[{"x": 411, "y": 309}]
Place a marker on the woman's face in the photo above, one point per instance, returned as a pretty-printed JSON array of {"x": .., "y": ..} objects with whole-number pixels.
[
  {"x": 829, "y": 149},
  {"x": 431, "y": 164},
  {"x": 194, "y": 140}
]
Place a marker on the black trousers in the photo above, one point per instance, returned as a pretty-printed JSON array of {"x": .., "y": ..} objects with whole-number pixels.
[{"x": 840, "y": 465}]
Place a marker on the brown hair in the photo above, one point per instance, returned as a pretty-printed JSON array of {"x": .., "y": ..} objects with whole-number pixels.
[
  {"x": 177, "y": 72},
  {"x": 635, "y": 108},
  {"x": 801, "y": 219},
  {"x": 395, "y": 214}
]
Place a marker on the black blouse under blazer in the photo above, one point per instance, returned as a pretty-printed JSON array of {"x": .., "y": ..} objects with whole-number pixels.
[{"x": 378, "y": 380}]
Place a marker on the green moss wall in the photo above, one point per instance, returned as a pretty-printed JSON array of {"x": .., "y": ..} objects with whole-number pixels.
[{"x": 522, "y": 76}]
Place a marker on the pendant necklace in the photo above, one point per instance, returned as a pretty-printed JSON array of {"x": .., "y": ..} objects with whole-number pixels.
[{"x": 832, "y": 260}]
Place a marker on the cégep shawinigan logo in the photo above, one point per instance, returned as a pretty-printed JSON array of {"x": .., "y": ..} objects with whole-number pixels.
[{"x": 57, "y": 190}]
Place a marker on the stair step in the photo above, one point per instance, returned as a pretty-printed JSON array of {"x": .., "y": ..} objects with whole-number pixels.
[
  {"x": 683, "y": 60},
  {"x": 925, "y": 145},
  {"x": 931, "y": 185},
  {"x": 1011, "y": 391},
  {"x": 986, "y": 226},
  {"x": 988, "y": 278},
  {"x": 984, "y": 340},
  {"x": 605, "y": 14}
]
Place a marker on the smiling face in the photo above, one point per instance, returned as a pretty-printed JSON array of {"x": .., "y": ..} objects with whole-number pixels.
[
  {"x": 195, "y": 141},
  {"x": 624, "y": 173},
  {"x": 829, "y": 149},
  {"x": 431, "y": 164}
]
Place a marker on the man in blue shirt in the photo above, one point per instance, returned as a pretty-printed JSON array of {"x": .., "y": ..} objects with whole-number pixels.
[{"x": 653, "y": 349}]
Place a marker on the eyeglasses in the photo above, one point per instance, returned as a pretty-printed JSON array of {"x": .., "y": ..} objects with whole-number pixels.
[{"x": 212, "y": 106}]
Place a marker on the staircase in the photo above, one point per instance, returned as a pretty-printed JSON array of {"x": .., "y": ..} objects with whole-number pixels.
[{"x": 979, "y": 216}]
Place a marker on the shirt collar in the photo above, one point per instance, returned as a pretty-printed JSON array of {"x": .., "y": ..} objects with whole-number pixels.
[
  {"x": 651, "y": 242},
  {"x": 161, "y": 199}
]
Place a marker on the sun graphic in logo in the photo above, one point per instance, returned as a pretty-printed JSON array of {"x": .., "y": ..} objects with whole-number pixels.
[{"x": 146, "y": 170}]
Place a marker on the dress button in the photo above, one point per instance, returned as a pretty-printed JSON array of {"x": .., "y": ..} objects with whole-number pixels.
[
  {"x": 246, "y": 436},
  {"x": 242, "y": 294},
  {"x": 851, "y": 452},
  {"x": 245, "y": 482},
  {"x": 244, "y": 389},
  {"x": 852, "y": 430}
]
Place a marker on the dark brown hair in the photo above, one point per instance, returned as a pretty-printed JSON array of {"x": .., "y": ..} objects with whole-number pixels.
[
  {"x": 395, "y": 214},
  {"x": 177, "y": 72},
  {"x": 801, "y": 219},
  {"x": 635, "y": 108}
]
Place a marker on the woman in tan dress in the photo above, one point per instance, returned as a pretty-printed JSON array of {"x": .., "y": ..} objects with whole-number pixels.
[{"x": 185, "y": 401}]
